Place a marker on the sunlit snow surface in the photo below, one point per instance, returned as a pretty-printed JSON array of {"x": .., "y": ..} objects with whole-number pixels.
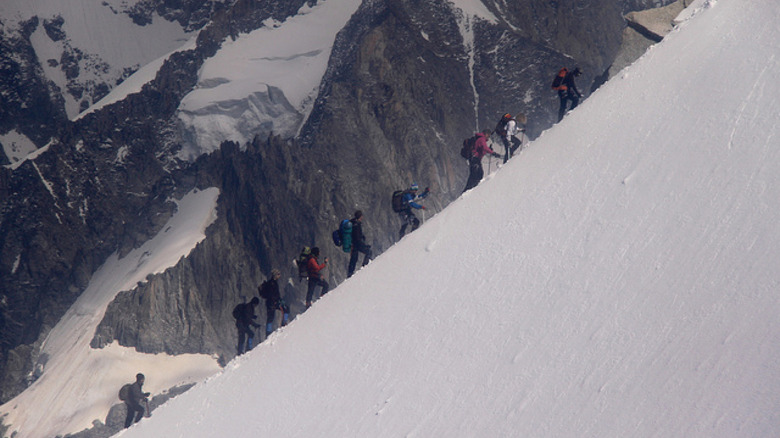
[{"x": 618, "y": 278}]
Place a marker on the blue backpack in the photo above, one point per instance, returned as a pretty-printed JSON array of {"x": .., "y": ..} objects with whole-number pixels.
[{"x": 337, "y": 237}]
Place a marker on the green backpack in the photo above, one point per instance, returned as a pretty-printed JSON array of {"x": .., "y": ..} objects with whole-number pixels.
[{"x": 346, "y": 235}]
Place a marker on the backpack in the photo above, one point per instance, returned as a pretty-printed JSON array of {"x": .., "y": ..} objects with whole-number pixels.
[
  {"x": 346, "y": 234},
  {"x": 265, "y": 290},
  {"x": 469, "y": 144},
  {"x": 237, "y": 312},
  {"x": 557, "y": 83},
  {"x": 398, "y": 200},
  {"x": 124, "y": 391},
  {"x": 336, "y": 235},
  {"x": 301, "y": 261},
  {"x": 501, "y": 125}
]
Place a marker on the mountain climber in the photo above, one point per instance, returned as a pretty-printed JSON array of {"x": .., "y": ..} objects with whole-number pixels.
[
  {"x": 244, "y": 314},
  {"x": 481, "y": 149},
  {"x": 315, "y": 277},
  {"x": 567, "y": 89},
  {"x": 269, "y": 290},
  {"x": 407, "y": 215},
  {"x": 133, "y": 400},
  {"x": 507, "y": 129},
  {"x": 358, "y": 244}
]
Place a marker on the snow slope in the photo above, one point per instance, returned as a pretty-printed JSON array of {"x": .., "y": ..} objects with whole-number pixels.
[
  {"x": 73, "y": 390},
  {"x": 618, "y": 278},
  {"x": 264, "y": 81}
]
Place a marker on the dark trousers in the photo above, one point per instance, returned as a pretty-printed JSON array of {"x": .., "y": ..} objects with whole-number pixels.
[
  {"x": 510, "y": 147},
  {"x": 270, "y": 311},
  {"x": 409, "y": 219},
  {"x": 133, "y": 409},
  {"x": 244, "y": 331},
  {"x": 357, "y": 248},
  {"x": 565, "y": 96},
  {"x": 475, "y": 173},
  {"x": 313, "y": 283}
]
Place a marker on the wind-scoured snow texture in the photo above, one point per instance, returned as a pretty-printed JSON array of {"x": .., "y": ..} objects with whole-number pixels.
[
  {"x": 82, "y": 44},
  {"x": 79, "y": 384},
  {"x": 265, "y": 81},
  {"x": 694, "y": 8},
  {"x": 618, "y": 278}
]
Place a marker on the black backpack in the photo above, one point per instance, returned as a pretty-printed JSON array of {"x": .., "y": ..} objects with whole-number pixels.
[
  {"x": 265, "y": 290},
  {"x": 301, "y": 261},
  {"x": 237, "y": 311},
  {"x": 124, "y": 391},
  {"x": 469, "y": 144},
  {"x": 501, "y": 125},
  {"x": 398, "y": 200}
]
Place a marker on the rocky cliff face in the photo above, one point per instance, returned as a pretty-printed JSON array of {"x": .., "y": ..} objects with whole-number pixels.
[
  {"x": 28, "y": 102},
  {"x": 645, "y": 28},
  {"x": 402, "y": 89}
]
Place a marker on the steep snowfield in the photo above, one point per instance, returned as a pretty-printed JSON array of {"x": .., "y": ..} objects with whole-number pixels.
[
  {"x": 73, "y": 390},
  {"x": 618, "y": 278},
  {"x": 265, "y": 81}
]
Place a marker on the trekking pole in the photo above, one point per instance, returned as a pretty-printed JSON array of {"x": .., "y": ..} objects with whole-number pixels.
[{"x": 490, "y": 157}]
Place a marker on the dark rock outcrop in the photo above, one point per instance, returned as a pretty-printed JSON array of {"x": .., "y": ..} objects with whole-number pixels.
[{"x": 645, "y": 28}]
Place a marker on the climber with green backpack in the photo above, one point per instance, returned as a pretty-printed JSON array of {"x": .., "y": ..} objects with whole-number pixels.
[
  {"x": 342, "y": 236},
  {"x": 358, "y": 243}
]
